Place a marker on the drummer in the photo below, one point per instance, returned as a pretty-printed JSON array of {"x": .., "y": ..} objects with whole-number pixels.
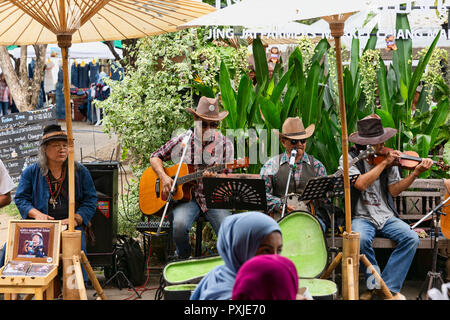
[{"x": 275, "y": 171}]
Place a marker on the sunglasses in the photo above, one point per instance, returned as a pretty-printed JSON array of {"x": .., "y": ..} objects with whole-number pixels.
[
  {"x": 295, "y": 141},
  {"x": 213, "y": 125}
]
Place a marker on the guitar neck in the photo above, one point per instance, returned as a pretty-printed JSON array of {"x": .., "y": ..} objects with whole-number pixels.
[{"x": 199, "y": 174}]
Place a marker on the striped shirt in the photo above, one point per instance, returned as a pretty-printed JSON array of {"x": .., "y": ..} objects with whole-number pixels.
[
  {"x": 218, "y": 150},
  {"x": 270, "y": 169}
]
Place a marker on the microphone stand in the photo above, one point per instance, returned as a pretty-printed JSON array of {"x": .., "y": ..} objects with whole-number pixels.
[
  {"x": 184, "y": 143},
  {"x": 291, "y": 173},
  {"x": 433, "y": 276}
]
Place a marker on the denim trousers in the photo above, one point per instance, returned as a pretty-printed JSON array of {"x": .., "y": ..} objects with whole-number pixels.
[
  {"x": 184, "y": 215},
  {"x": 398, "y": 264},
  {"x": 5, "y": 107}
]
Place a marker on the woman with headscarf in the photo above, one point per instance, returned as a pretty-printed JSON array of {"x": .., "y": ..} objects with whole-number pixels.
[
  {"x": 266, "y": 277},
  {"x": 241, "y": 237}
]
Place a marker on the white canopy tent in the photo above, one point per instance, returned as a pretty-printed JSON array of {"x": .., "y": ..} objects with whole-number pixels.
[{"x": 87, "y": 50}]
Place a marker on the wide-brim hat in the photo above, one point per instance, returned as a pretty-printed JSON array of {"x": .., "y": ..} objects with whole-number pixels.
[
  {"x": 293, "y": 128},
  {"x": 53, "y": 132},
  {"x": 371, "y": 131},
  {"x": 208, "y": 109}
]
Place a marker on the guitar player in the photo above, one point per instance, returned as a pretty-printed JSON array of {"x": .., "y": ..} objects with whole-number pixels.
[{"x": 206, "y": 147}]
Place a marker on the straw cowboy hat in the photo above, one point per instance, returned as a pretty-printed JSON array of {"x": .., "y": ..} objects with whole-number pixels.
[
  {"x": 293, "y": 129},
  {"x": 371, "y": 131},
  {"x": 208, "y": 109}
]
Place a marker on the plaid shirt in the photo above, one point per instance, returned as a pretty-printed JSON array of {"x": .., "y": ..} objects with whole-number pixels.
[
  {"x": 4, "y": 92},
  {"x": 270, "y": 168},
  {"x": 218, "y": 150}
]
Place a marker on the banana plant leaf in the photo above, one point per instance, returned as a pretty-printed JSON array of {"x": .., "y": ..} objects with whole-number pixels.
[
  {"x": 402, "y": 56},
  {"x": 420, "y": 69},
  {"x": 228, "y": 95},
  {"x": 261, "y": 66},
  {"x": 383, "y": 90},
  {"x": 440, "y": 114}
]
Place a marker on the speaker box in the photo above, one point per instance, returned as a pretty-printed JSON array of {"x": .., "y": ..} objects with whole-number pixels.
[{"x": 104, "y": 221}]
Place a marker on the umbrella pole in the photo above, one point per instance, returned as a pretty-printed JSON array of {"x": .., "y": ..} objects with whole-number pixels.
[
  {"x": 350, "y": 240},
  {"x": 71, "y": 238}
]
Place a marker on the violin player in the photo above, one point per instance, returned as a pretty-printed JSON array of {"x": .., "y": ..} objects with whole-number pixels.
[{"x": 372, "y": 206}]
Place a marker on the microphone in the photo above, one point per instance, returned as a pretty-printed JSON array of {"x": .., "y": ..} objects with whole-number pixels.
[{"x": 292, "y": 159}]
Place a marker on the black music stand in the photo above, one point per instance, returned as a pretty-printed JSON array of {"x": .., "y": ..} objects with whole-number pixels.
[
  {"x": 235, "y": 194},
  {"x": 327, "y": 187}
]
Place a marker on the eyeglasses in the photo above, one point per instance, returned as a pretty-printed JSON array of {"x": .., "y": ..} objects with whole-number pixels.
[
  {"x": 58, "y": 146},
  {"x": 213, "y": 125},
  {"x": 295, "y": 141}
]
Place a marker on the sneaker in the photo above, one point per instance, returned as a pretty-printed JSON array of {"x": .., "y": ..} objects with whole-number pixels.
[
  {"x": 367, "y": 295},
  {"x": 397, "y": 296}
]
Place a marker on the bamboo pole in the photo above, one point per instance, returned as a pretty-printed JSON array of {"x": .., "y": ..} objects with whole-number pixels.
[
  {"x": 92, "y": 276},
  {"x": 384, "y": 288},
  {"x": 351, "y": 278},
  {"x": 71, "y": 246},
  {"x": 350, "y": 249},
  {"x": 337, "y": 30},
  {"x": 79, "y": 277},
  {"x": 332, "y": 266}
]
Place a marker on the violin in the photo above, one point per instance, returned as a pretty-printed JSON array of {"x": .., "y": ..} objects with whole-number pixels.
[{"x": 408, "y": 159}]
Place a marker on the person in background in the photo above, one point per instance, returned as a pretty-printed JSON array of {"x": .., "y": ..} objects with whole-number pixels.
[
  {"x": 241, "y": 237},
  {"x": 5, "y": 95},
  {"x": 6, "y": 186},
  {"x": 266, "y": 277}
]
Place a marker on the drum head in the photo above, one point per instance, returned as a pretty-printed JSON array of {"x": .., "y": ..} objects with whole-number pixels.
[{"x": 304, "y": 243}]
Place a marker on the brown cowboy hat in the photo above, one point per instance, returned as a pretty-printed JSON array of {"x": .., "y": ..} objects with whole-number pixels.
[
  {"x": 208, "y": 109},
  {"x": 371, "y": 131},
  {"x": 293, "y": 129}
]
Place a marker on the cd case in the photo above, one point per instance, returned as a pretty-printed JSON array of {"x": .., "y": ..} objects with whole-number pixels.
[{"x": 26, "y": 268}]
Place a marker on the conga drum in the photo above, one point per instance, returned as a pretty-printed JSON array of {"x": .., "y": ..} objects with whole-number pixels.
[
  {"x": 182, "y": 277},
  {"x": 305, "y": 245}
]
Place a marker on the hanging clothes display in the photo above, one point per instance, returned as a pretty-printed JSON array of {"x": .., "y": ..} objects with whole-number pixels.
[
  {"x": 93, "y": 72},
  {"x": 49, "y": 79},
  {"x": 59, "y": 97},
  {"x": 83, "y": 75},
  {"x": 74, "y": 74}
]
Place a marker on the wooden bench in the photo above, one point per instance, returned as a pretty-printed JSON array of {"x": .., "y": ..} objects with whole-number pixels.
[{"x": 412, "y": 205}]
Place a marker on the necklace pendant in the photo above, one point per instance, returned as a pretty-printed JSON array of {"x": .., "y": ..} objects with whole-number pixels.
[{"x": 53, "y": 202}]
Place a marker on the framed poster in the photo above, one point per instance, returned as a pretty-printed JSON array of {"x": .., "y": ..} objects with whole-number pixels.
[{"x": 34, "y": 240}]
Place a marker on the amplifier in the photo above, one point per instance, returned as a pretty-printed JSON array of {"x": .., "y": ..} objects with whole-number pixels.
[{"x": 104, "y": 222}]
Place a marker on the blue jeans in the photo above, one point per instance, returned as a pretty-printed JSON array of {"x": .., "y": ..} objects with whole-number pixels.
[
  {"x": 5, "y": 107},
  {"x": 184, "y": 215},
  {"x": 398, "y": 264}
]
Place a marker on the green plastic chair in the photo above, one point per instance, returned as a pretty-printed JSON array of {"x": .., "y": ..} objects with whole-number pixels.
[{"x": 304, "y": 244}]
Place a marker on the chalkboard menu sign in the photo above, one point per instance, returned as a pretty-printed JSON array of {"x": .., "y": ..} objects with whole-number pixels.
[{"x": 20, "y": 135}]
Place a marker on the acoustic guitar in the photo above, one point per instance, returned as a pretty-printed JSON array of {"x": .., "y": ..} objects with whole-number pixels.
[{"x": 150, "y": 188}]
